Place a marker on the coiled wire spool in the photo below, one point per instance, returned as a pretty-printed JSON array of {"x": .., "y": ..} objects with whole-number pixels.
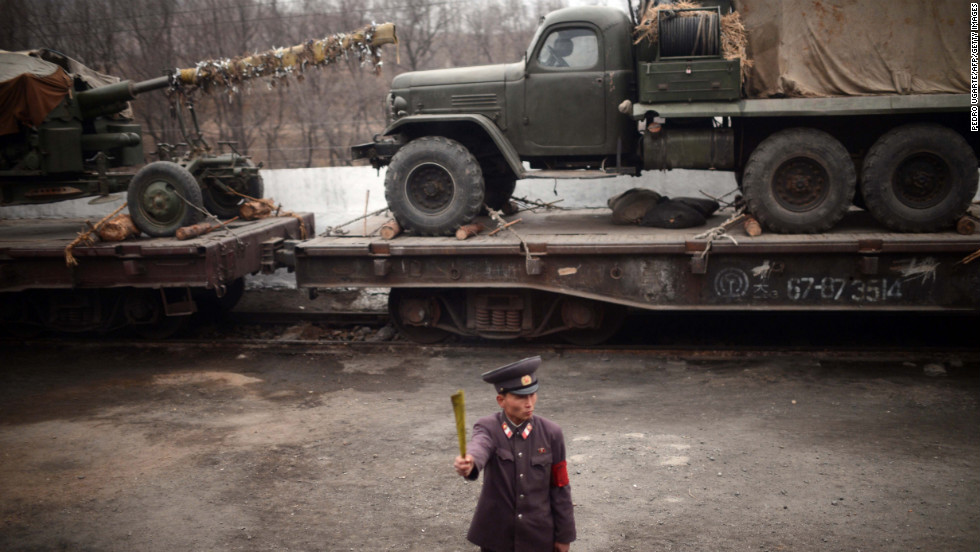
[{"x": 690, "y": 35}]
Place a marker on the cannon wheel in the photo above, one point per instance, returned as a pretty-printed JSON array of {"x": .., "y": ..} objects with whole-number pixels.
[
  {"x": 162, "y": 197},
  {"x": 799, "y": 180},
  {"x": 919, "y": 178},
  {"x": 434, "y": 185},
  {"x": 224, "y": 205}
]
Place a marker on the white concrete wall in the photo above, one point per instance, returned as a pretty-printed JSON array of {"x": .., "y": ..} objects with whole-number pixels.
[{"x": 337, "y": 195}]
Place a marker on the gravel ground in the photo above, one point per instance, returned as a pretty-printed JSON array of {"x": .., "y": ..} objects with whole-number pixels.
[{"x": 130, "y": 447}]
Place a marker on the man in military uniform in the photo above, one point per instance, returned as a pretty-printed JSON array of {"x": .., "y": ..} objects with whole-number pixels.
[{"x": 526, "y": 501}]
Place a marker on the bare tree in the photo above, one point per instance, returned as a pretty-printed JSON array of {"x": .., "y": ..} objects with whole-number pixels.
[
  {"x": 421, "y": 21},
  {"x": 293, "y": 124}
]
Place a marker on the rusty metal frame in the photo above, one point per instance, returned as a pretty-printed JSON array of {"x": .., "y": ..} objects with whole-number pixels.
[
  {"x": 32, "y": 256},
  {"x": 664, "y": 270}
]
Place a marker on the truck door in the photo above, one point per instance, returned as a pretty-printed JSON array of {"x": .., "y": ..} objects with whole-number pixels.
[{"x": 565, "y": 91}]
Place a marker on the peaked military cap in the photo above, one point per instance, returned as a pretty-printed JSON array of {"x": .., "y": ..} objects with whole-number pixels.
[{"x": 516, "y": 377}]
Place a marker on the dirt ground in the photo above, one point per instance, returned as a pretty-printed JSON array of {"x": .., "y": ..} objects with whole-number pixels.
[{"x": 187, "y": 448}]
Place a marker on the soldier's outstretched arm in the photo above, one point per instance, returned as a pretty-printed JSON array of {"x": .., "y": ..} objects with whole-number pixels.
[{"x": 477, "y": 453}]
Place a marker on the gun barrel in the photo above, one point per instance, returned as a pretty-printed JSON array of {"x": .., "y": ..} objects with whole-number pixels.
[
  {"x": 150, "y": 85},
  {"x": 105, "y": 99},
  {"x": 364, "y": 42}
]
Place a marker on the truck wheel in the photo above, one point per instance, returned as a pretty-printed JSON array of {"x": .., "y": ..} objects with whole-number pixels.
[
  {"x": 434, "y": 185},
  {"x": 224, "y": 205},
  {"x": 799, "y": 180},
  {"x": 162, "y": 197},
  {"x": 499, "y": 189},
  {"x": 919, "y": 178}
]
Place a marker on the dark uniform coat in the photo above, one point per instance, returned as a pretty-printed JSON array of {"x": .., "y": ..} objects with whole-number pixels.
[{"x": 526, "y": 502}]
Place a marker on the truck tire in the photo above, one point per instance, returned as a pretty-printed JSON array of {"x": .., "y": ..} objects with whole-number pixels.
[
  {"x": 162, "y": 198},
  {"x": 919, "y": 177},
  {"x": 434, "y": 185},
  {"x": 799, "y": 180}
]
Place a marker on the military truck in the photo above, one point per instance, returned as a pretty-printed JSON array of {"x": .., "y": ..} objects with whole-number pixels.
[{"x": 845, "y": 103}]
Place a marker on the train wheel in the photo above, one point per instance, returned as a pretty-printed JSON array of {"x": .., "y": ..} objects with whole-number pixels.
[
  {"x": 210, "y": 305},
  {"x": 415, "y": 313},
  {"x": 919, "y": 178},
  {"x": 594, "y": 322},
  {"x": 434, "y": 185},
  {"x": 17, "y": 316},
  {"x": 163, "y": 197},
  {"x": 799, "y": 180},
  {"x": 147, "y": 317}
]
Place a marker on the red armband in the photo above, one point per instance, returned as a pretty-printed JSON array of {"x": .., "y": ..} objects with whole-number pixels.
[{"x": 559, "y": 474}]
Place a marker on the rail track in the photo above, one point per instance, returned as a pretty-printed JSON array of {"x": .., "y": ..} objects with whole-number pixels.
[{"x": 895, "y": 337}]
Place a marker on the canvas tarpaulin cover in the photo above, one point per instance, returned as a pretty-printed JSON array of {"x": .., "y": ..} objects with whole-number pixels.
[
  {"x": 819, "y": 48},
  {"x": 29, "y": 89}
]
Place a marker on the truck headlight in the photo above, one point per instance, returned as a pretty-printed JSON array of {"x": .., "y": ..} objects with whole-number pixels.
[{"x": 399, "y": 106}]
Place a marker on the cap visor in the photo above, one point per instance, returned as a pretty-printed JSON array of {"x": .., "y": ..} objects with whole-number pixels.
[{"x": 533, "y": 388}]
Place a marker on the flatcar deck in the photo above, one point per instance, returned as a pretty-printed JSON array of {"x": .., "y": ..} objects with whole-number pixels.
[
  {"x": 32, "y": 255},
  {"x": 581, "y": 253}
]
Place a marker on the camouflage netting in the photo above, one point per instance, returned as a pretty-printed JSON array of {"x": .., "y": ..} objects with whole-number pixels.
[
  {"x": 733, "y": 38},
  {"x": 363, "y": 45}
]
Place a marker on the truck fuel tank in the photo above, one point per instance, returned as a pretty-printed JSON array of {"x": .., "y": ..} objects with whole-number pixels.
[{"x": 688, "y": 148}]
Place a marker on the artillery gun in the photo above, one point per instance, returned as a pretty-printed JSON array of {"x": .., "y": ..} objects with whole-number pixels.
[{"x": 66, "y": 132}]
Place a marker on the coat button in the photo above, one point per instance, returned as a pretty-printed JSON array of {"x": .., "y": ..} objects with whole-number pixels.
[
  {"x": 521, "y": 476},
  {"x": 519, "y": 454},
  {"x": 521, "y": 497},
  {"x": 520, "y": 516}
]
